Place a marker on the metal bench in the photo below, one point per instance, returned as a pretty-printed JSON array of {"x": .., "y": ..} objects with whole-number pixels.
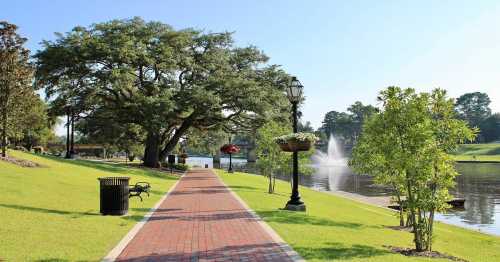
[{"x": 138, "y": 189}]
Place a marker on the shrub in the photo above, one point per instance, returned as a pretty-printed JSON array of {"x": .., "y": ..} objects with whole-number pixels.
[{"x": 181, "y": 167}]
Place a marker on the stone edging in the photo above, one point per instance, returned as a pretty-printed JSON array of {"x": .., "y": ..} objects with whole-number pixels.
[
  {"x": 283, "y": 245},
  {"x": 118, "y": 249}
]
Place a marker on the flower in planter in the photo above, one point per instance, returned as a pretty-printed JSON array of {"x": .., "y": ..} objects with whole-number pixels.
[
  {"x": 300, "y": 137},
  {"x": 230, "y": 149},
  {"x": 296, "y": 141}
]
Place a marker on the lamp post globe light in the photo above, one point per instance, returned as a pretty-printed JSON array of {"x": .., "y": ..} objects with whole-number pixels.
[{"x": 294, "y": 94}]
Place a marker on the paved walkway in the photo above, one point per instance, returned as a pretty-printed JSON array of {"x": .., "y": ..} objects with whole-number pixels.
[{"x": 202, "y": 221}]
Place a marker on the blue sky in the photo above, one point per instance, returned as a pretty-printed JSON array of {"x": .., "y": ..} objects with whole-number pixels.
[{"x": 342, "y": 51}]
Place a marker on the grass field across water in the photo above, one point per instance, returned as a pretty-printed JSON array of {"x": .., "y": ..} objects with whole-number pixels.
[
  {"x": 335, "y": 228},
  {"x": 51, "y": 213},
  {"x": 478, "y": 152}
]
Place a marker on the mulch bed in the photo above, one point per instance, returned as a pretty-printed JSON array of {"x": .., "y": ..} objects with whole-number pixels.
[
  {"x": 430, "y": 254},
  {"x": 20, "y": 162}
]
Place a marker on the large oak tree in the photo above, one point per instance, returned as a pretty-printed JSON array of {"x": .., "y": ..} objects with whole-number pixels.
[{"x": 164, "y": 80}]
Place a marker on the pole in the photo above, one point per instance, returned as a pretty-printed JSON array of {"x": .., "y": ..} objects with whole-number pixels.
[
  {"x": 4, "y": 132},
  {"x": 72, "y": 149},
  {"x": 230, "y": 163},
  {"x": 295, "y": 197},
  {"x": 230, "y": 170},
  {"x": 68, "y": 154}
]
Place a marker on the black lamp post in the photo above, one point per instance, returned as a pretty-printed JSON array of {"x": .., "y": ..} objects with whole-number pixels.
[
  {"x": 68, "y": 127},
  {"x": 230, "y": 170},
  {"x": 294, "y": 93}
]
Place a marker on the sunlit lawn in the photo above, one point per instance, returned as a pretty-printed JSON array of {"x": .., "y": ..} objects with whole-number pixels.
[
  {"x": 478, "y": 152},
  {"x": 335, "y": 228},
  {"x": 51, "y": 213}
]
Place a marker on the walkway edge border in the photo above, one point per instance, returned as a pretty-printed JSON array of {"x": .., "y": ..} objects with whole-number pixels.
[
  {"x": 288, "y": 249},
  {"x": 118, "y": 249}
]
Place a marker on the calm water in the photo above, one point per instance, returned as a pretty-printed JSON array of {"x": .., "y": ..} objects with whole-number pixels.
[{"x": 479, "y": 184}]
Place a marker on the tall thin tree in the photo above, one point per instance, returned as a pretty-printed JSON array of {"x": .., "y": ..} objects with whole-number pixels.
[{"x": 15, "y": 75}]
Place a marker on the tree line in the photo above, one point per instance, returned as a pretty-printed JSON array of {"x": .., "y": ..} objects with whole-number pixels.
[{"x": 474, "y": 108}]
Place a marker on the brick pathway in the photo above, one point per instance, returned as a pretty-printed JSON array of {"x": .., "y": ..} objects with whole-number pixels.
[{"x": 202, "y": 221}]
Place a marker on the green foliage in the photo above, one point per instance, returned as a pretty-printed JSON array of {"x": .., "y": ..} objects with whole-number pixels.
[
  {"x": 203, "y": 142},
  {"x": 338, "y": 229},
  {"x": 347, "y": 126},
  {"x": 306, "y": 128},
  {"x": 406, "y": 146},
  {"x": 490, "y": 128},
  {"x": 30, "y": 126},
  {"x": 473, "y": 107},
  {"x": 271, "y": 159},
  {"x": 164, "y": 80},
  {"x": 15, "y": 81}
]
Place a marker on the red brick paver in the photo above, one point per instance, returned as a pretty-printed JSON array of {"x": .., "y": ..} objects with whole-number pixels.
[{"x": 202, "y": 221}]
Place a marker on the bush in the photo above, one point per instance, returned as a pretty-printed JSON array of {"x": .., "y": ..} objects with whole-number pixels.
[{"x": 181, "y": 167}]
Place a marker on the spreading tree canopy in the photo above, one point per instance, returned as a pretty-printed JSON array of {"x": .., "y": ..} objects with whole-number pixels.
[{"x": 164, "y": 80}]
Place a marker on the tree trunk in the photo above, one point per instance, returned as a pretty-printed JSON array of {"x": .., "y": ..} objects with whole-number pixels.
[
  {"x": 401, "y": 212},
  {"x": 4, "y": 133},
  {"x": 416, "y": 231},
  {"x": 72, "y": 148},
  {"x": 151, "y": 151},
  {"x": 175, "y": 138},
  {"x": 429, "y": 233},
  {"x": 400, "y": 203},
  {"x": 270, "y": 190}
]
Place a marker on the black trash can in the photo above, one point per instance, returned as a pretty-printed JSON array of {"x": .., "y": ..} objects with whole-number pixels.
[
  {"x": 171, "y": 159},
  {"x": 114, "y": 195}
]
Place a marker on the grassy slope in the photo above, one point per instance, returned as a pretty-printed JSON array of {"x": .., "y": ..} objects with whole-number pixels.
[
  {"x": 335, "y": 228},
  {"x": 482, "y": 152},
  {"x": 52, "y": 213}
]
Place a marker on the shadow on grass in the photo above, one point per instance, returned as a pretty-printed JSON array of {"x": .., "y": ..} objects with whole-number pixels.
[
  {"x": 52, "y": 260},
  {"x": 73, "y": 214},
  {"x": 335, "y": 250},
  {"x": 289, "y": 217},
  {"x": 494, "y": 151},
  {"x": 112, "y": 168}
]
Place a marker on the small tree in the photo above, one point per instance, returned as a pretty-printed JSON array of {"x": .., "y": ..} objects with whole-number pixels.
[
  {"x": 15, "y": 76},
  {"x": 406, "y": 146},
  {"x": 271, "y": 158}
]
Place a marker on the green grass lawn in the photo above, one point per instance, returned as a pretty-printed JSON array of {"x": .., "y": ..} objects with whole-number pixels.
[
  {"x": 335, "y": 228},
  {"x": 478, "y": 152},
  {"x": 51, "y": 213}
]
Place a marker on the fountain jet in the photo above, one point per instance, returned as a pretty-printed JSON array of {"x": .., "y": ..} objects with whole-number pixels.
[{"x": 332, "y": 157}]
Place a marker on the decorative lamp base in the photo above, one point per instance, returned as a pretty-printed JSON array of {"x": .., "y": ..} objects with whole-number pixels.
[{"x": 293, "y": 207}]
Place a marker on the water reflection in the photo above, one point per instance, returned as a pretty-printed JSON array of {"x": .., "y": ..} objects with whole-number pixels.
[{"x": 479, "y": 184}]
